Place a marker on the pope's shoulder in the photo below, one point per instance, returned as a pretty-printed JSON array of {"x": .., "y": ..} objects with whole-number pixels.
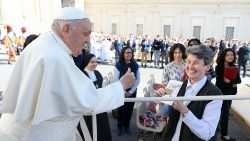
[{"x": 46, "y": 49}]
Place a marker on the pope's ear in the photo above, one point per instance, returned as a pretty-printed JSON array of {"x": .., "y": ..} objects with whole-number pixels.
[{"x": 66, "y": 28}]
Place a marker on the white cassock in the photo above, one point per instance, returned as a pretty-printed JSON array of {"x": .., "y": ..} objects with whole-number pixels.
[{"x": 47, "y": 94}]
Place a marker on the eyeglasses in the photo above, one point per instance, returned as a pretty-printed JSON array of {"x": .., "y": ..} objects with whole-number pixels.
[{"x": 128, "y": 52}]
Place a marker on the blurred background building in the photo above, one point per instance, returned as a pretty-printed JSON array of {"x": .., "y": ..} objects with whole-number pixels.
[{"x": 187, "y": 18}]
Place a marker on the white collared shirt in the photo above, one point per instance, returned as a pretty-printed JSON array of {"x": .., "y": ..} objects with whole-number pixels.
[
  {"x": 205, "y": 127},
  {"x": 91, "y": 74}
]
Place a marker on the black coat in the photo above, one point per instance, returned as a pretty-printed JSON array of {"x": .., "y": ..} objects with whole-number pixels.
[
  {"x": 133, "y": 45},
  {"x": 226, "y": 88},
  {"x": 243, "y": 54},
  {"x": 164, "y": 47},
  {"x": 118, "y": 46},
  {"x": 156, "y": 45}
]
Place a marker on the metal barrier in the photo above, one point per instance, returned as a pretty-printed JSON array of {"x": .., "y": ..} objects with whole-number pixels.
[{"x": 187, "y": 98}]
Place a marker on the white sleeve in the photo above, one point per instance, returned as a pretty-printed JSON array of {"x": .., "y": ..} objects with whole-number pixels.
[
  {"x": 64, "y": 93},
  {"x": 137, "y": 81},
  {"x": 205, "y": 127},
  {"x": 116, "y": 74},
  {"x": 112, "y": 97}
]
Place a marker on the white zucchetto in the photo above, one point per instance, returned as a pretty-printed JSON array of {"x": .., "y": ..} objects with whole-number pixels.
[{"x": 70, "y": 13}]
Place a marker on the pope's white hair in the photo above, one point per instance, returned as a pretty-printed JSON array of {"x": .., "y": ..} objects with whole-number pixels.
[{"x": 58, "y": 24}]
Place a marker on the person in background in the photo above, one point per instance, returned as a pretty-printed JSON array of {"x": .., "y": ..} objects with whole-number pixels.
[
  {"x": 211, "y": 42},
  {"x": 21, "y": 39},
  {"x": 243, "y": 54},
  {"x": 125, "y": 112},
  {"x": 194, "y": 120},
  {"x": 29, "y": 39},
  {"x": 90, "y": 64},
  {"x": 222, "y": 45},
  {"x": 1, "y": 37},
  {"x": 164, "y": 51},
  {"x": 156, "y": 46},
  {"x": 193, "y": 41},
  {"x": 226, "y": 58},
  {"x": 175, "y": 69},
  {"x": 118, "y": 45},
  {"x": 145, "y": 46},
  {"x": 131, "y": 43},
  {"x": 47, "y": 94},
  {"x": 10, "y": 43},
  {"x": 80, "y": 58}
]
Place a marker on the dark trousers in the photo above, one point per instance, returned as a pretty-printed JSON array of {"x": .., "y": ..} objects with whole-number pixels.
[
  {"x": 151, "y": 56},
  {"x": 164, "y": 57},
  {"x": 124, "y": 114},
  {"x": 226, "y": 105},
  {"x": 243, "y": 64}
]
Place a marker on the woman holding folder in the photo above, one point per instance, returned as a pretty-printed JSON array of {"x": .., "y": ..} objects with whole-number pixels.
[{"x": 227, "y": 78}]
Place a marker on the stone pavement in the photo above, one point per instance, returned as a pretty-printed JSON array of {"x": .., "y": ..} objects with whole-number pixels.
[{"x": 238, "y": 118}]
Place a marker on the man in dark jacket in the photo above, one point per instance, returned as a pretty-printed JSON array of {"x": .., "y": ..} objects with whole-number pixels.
[
  {"x": 156, "y": 50},
  {"x": 164, "y": 52},
  {"x": 243, "y": 55},
  {"x": 145, "y": 46},
  {"x": 118, "y": 45},
  {"x": 131, "y": 42}
]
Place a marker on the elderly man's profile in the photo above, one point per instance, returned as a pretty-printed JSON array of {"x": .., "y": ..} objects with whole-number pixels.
[{"x": 48, "y": 94}]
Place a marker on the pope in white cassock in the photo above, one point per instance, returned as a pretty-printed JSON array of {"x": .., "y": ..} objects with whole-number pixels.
[{"x": 47, "y": 94}]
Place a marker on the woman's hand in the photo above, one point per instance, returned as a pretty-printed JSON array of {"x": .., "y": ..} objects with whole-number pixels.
[
  {"x": 127, "y": 94},
  {"x": 227, "y": 80},
  {"x": 179, "y": 106}
]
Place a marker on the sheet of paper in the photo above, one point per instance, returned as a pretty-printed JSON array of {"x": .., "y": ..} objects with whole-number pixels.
[{"x": 174, "y": 94}]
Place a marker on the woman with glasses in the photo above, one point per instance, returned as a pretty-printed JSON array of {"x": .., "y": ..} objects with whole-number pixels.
[{"x": 124, "y": 112}]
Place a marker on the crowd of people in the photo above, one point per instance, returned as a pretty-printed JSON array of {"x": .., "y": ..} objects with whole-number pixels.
[
  {"x": 50, "y": 97},
  {"x": 151, "y": 51},
  {"x": 191, "y": 61},
  {"x": 174, "y": 57},
  {"x": 15, "y": 43}
]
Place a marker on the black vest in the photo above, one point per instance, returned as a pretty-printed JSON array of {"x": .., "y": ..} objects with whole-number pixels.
[
  {"x": 196, "y": 107},
  {"x": 123, "y": 68}
]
